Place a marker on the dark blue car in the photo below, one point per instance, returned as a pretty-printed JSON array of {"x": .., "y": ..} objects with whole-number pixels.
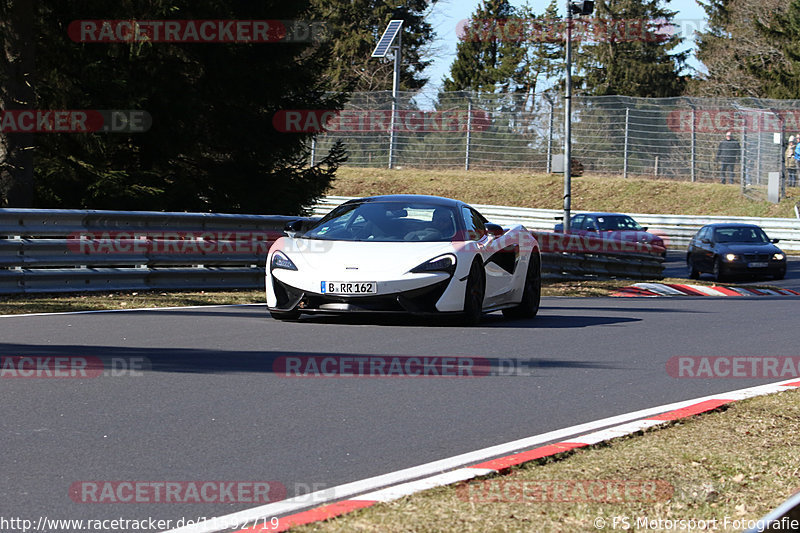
[{"x": 730, "y": 249}]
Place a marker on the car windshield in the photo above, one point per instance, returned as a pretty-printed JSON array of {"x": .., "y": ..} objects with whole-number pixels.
[
  {"x": 617, "y": 223},
  {"x": 386, "y": 222},
  {"x": 740, "y": 235}
]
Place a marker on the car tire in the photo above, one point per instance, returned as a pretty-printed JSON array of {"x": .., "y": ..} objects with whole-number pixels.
[
  {"x": 473, "y": 295},
  {"x": 719, "y": 270},
  {"x": 285, "y": 315},
  {"x": 531, "y": 295},
  {"x": 693, "y": 272}
]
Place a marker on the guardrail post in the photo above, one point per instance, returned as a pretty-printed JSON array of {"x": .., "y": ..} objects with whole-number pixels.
[{"x": 625, "y": 150}]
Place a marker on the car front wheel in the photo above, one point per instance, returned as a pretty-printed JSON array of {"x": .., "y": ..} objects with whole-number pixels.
[
  {"x": 531, "y": 295},
  {"x": 719, "y": 270},
  {"x": 473, "y": 297},
  {"x": 693, "y": 272}
]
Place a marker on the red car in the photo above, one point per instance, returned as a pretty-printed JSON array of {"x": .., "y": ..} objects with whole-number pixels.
[{"x": 612, "y": 226}]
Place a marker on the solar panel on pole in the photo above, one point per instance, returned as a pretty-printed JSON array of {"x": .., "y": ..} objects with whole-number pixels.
[{"x": 388, "y": 37}]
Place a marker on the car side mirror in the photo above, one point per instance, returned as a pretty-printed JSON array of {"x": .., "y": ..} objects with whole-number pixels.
[
  {"x": 705, "y": 241},
  {"x": 494, "y": 230},
  {"x": 291, "y": 229},
  {"x": 644, "y": 228},
  {"x": 776, "y": 241}
]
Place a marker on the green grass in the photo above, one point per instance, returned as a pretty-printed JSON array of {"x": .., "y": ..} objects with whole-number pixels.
[{"x": 545, "y": 191}]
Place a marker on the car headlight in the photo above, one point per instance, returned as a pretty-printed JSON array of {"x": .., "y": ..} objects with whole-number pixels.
[
  {"x": 778, "y": 257},
  {"x": 443, "y": 263},
  {"x": 730, "y": 257},
  {"x": 279, "y": 260}
]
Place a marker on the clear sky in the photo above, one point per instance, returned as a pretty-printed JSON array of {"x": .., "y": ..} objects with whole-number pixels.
[{"x": 446, "y": 14}]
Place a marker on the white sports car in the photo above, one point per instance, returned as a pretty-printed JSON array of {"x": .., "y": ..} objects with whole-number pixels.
[{"x": 407, "y": 254}]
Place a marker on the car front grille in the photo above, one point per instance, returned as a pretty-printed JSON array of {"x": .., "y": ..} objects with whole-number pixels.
[{"x": 421, "y": 300}]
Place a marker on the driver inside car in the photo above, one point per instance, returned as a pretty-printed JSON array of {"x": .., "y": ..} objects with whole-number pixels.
[{"x": 441, "y": 227}]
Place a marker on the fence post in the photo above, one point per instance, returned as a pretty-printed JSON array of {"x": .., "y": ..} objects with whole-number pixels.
[
  {"x": 758, "y": 158},
  {"x": 550, "y": 140},
  {"x": 742, "y": 162},
  {"x": 625, "y": 153},
  {"x": 655, "y": 168},
  {"x": 469, "y": 134},
  {"x": 694, "y": 149},
  {"x": 781, "y": 156},
  {"x": 313, "y": 151},
  {"x": 392, "y": 139}
]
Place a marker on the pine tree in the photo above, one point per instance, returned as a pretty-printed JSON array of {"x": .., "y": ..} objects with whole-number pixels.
[
  {"x": 212, "y": 145},
  {"x": 488, "y": 56},
  {"x": 16, "y": 69},
  {"x": 629, "y": 55},
  {"x": 543, "y": 56},
  {"x": 740, "y": 48},
  {"x": 780, "y": 75}
]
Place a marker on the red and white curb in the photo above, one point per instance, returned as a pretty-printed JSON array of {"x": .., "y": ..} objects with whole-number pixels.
[
  {"x": 678, "y": 289},
  {"x": 493, "y": 460}
]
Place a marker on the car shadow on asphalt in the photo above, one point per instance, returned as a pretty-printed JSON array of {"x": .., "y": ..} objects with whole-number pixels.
[
  {"x": 492, "y": 320},
  {"x": 37, "y": 361}
]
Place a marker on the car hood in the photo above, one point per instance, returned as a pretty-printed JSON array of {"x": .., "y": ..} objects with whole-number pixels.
[
  {"x": 333, "y": 256},
  {"x": 751, "y": 248}
]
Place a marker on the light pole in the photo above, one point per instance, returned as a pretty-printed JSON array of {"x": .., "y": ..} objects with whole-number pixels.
[{"x": 583, "y": 7}]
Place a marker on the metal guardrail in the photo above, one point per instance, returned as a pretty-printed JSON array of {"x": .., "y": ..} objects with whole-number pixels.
[
  {"x": 785, "y": 518},
  {"x": 676, "y": 230},
  {"x": 45, "y": 250}
]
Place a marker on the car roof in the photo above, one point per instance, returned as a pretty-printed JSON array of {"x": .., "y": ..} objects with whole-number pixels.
[
  {"x": 731, "y": 225},
  {"x": 603, "y": 214},
  {"x": 432, "y": 200}
]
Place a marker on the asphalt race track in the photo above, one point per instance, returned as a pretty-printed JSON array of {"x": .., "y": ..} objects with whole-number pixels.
[{"x": 210, "y": 406}]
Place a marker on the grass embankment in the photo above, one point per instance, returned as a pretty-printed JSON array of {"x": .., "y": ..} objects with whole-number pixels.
[
  {"x": 735, "y": 465},
  {"x": 545, "y": 191}
]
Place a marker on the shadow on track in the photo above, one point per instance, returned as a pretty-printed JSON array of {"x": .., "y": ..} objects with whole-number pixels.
[{"x": 203, "y": 361}]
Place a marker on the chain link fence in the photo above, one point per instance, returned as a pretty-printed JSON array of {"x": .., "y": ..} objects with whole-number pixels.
[{"x": 674, "y": 138}]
